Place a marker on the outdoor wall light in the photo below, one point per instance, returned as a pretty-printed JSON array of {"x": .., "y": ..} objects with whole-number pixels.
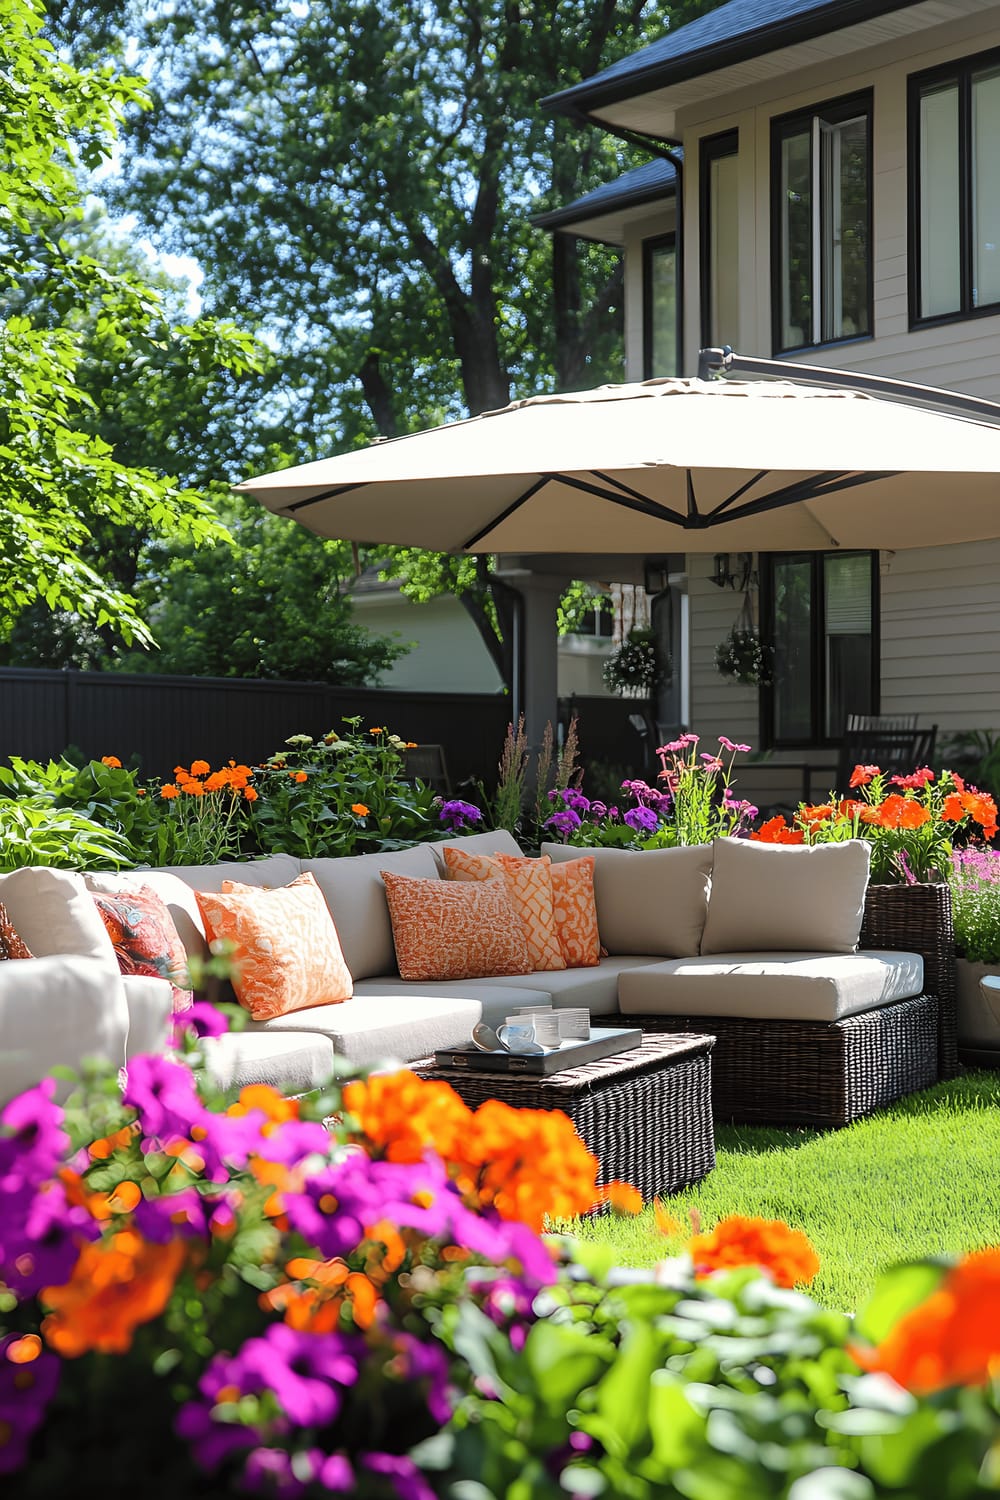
[{"x": 725, "y": 577}]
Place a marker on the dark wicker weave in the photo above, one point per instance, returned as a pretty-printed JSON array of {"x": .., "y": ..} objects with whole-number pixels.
[
  {"x": 646, "y": 1114},
  {"x": 813, "y": 1072},
  {"x": 917, "y": 919}
]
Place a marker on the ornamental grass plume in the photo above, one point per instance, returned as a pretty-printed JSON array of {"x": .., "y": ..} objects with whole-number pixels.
[{"x": 910, "y": 821}]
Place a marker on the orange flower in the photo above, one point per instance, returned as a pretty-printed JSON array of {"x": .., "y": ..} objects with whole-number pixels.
[
  {"x": 861, "y": 775},
  {"x": 249, "y": 794},
  {"x": 359, "y": 809},
  {"x": 777, "y": 831},
  {"x": 193, "y": 788},
  {"x": 952, "y": 1338},
  {"x": 299, "y": 776},
  {"x": 116, "y": 1285},
  {"x": 528, "y": 1164},
  {"x": 622, "y": 1197},
  {"x": 402, "y": 1114},
  {"x": 200, "y": 768},
  {"x": 665, "y": 1221},
  {"x": 900, "y": 812},
  {"x": 784, "y": 1253},
  {"x": 112, "y": 761},
  {"x": 820, "y": 814},
  {"x": 168, "y": 790}
]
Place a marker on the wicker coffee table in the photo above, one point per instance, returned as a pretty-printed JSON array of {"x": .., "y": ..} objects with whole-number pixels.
[{"x": 646, "y": 1114}]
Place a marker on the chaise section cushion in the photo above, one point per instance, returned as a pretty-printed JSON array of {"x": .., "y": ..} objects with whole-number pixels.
[
  {"x": 785, "y": 897},
  {"x": 648, "y": 901},
  {"x": 772, "y": 986},
  {"x": 594, "y": 988},
  {"x": 292, "y": 1061},
  {"x": 355, "y": 893},
  {"x": 52, "y": 913},
  {"x": 374, "y": 1029}
]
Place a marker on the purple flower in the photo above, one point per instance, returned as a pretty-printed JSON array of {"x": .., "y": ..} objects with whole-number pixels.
[
  {"x": 457, "y": 815},
  {"x": 201, "y": 1019},
  {"x": 642, "y": 819},
  {"x": 599, "y": 809},
  {"x": 575, "y": 801},
  {"x": 163, "y": 1094},
  {"x": 41, "y": 1236},
  {"x": 33, "y": 1139},
  {"x": 25, "y": 1391},
  {"x": 269, "y": 1471},
  {"x": 402, "y": 1473},
  {"x": 565, "y": 822}
]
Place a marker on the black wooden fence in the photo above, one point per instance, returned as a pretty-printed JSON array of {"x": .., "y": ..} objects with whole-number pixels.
[{"x": 168, "y": 721}]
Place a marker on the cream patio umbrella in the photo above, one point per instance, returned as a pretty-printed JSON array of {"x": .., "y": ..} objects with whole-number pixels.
[{"x": 666, "y": 466}]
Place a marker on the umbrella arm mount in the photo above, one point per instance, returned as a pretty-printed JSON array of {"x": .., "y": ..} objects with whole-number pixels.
[{"x": 713, "y": 363}]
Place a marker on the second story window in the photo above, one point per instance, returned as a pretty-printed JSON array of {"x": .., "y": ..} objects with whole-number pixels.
[
  {"x": 720, "y": 240},
  {"x": 821, "y": 173},
  {"x": 659, "y": 306},
  {"x": 955, "y": 189}
]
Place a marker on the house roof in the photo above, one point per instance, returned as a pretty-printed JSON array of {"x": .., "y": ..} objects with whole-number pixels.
[
  {"x": 653, "y": 181},
  {"x": 733, "y": 33}
]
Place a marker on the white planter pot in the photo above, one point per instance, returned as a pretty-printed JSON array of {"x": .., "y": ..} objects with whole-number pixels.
[{"x": 978, "y": 1009}]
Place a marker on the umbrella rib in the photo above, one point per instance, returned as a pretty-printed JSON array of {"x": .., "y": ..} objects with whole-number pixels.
[
  {"x": 340, "y": 489},
  {"x": 629, "y": 500},
  {"x": 731, "y": 499},
  {"x": 508, "y": 511},
  {"x": 830, "y": 483}
]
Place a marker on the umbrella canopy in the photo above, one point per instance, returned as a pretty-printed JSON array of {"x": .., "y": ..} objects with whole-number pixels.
[{"x": 663, "y": 466}]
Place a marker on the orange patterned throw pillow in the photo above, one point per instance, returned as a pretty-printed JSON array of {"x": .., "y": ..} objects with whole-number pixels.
[
  {"x": 446, "y": 930},
  {"x": 286, "y": 951},
  {"x": 529, "y": 887},
  {"x": 576, "y": 911},
  {"x": 11, "y": 945}
]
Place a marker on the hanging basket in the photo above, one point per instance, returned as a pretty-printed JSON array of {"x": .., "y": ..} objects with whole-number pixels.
[
  {"x": 638, "y": 667},
  {"x": 741, "y": 656}
]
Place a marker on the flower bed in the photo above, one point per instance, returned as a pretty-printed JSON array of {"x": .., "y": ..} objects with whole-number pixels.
[{"x": 202, "y": 1296}]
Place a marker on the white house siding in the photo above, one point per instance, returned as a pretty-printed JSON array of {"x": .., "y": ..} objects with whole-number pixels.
[{"x": 940, "y": 623}]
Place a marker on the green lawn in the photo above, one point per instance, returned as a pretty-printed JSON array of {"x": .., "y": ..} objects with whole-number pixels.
[{"x": 919, "y": 1178}]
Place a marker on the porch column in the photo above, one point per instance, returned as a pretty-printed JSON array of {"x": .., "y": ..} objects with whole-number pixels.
[{"x": 537, "y": 649}]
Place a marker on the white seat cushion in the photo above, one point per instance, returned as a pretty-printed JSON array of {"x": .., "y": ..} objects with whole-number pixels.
[
  {"x": 774, "y": 986},
  {"x": 371, "y": 1029},
  {"x": 595, "y": 987},
  {"x": 291, "y": 1061}
]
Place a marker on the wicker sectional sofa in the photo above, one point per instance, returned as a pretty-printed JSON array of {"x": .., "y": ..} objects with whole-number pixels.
[{"x": 808, "y": 1030}]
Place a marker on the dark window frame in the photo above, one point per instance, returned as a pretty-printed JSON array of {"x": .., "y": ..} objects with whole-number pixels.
[
  {"x": 843, "y": 107},
  {"x": 817, "y": 737},
  {"x": 960, "y": 72},
  {"x": 649, "y": 247},
  {"x": 712, "y": 148}
]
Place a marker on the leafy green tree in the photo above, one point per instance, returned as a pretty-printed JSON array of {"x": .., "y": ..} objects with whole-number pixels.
[
  {"x": 274, "y": 608},
  {"x": 57, "y": 476}
]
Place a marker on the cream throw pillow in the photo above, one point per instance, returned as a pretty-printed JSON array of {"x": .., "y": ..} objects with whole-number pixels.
[
  {"x": 649, "y": 901},
  {"x": 786, "y": 898}
]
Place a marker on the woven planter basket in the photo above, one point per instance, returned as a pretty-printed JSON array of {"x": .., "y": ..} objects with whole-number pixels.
[{"x": 918, "y": 919}]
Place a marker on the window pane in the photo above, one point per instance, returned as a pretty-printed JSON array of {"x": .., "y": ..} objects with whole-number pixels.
[
  {"x": 848, "y": 631},
  {"x": 796, "y": 241},
  {"x": 661, "y": 295},
  {"x": 845, "y": 253},
  {"x": 792, "y": 649},
  {"x": 940, "y": 277},
  {"x": 723, "y": 250},
  {"x": 986, "y": 188}
]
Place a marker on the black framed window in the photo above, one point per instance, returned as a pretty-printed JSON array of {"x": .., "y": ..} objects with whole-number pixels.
[
  {"x": 821, "y": 224},
  {"x": 720, "y": 240},
  {"x": 954, "y": 124},
  {"x": 660, "y": 313},
  {"x": 819, "y": 616}
]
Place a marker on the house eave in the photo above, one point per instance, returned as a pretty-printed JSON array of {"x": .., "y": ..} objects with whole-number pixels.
[{"x": 593, "y": 97}]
